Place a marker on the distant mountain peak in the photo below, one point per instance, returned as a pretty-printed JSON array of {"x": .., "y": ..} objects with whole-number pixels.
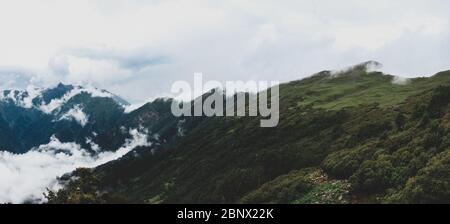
[
  {"x": 50, "y": 99},
  {"x": 361, "y": 68}
]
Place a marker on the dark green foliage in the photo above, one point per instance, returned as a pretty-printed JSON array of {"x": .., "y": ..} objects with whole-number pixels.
[
  {"x": 439, "y": 100},
  {"x": 83, "y": 189},
  {"x": 400, "y": 121},
  {"x": 284, "y": 189},
  {"x": 368, "y": 131},
  {"x": 431, "y": 185},
  {"x": 344, "y": 163},
  {"x": 374, "y": 176}
]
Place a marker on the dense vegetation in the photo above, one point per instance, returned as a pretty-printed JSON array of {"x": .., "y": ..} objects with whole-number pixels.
[{"x": 352, "y": 137}]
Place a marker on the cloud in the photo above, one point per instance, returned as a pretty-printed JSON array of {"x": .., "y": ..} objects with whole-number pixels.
[
  {"x": 128, "y": 59},
  {"x": 76, "y": 113},
  {"x": 400, "y": 80},
  {"x": 25, "y": 177},
  {"x": 59, "y": 65},
  {"x": 15, "y": 77},
  {"x": 138, "y": 49}
]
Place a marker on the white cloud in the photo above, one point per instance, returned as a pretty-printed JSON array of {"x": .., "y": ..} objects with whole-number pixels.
[
  {"x": 132, "y": 107},
  {"x": 137, "y": 49},
  {"x": 25, "y": 177},
  {"x": 33, "y": 92},
  {"x": 400, "y": 80},
  {"x": 76, "y": 113},
  {"x": 377, "y": 35}
]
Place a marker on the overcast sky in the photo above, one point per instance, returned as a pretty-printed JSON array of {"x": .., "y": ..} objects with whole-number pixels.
[{"x": 137, "y": 49}]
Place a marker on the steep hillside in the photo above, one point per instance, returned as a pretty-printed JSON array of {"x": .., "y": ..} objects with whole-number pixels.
[{"x": 349, "y": 137}]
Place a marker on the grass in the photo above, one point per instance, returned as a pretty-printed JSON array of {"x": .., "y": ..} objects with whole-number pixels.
[{"x": 352, "y": 90}]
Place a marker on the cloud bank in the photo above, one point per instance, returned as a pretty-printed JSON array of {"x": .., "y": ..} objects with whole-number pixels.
[
  {"x": 25, "y": 177},
  {"x": 137, "y": 49}
]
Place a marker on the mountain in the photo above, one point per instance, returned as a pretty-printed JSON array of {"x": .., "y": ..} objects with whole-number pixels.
[
  {"x": 351, "y": 136},
  {"x": 28, "y": 118}
]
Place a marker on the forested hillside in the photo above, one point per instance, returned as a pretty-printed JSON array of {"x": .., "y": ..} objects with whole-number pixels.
[{"x": 348, "y": 137}]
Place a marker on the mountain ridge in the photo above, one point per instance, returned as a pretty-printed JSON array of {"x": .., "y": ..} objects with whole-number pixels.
[
  {"x": 72, "y": 113},
  {"x": 357, "y": 139},
  {"x": 353, "y": 136}
]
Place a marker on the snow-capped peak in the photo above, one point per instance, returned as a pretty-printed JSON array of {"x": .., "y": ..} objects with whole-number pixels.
[
  {"x": 49, "y": 100},
  {"x": 23, "y": 98}
]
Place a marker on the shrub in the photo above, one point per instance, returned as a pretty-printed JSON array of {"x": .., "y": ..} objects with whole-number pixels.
[
  {"x": 284, "y": 189},
  {"x": 342, "y": 164},
  {"x": 374, "y": 176},
  {"x": 431, "y": 185}
]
